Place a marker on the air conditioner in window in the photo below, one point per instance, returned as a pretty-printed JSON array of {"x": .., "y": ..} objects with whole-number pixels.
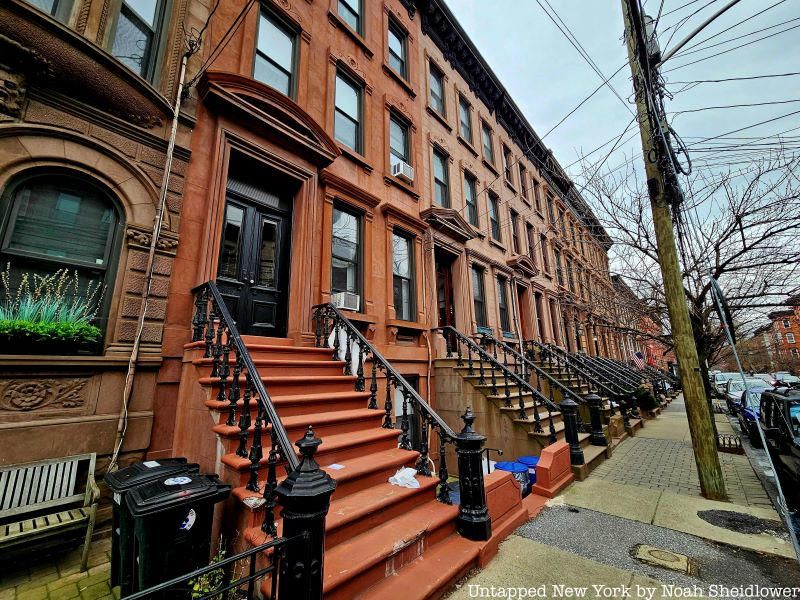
[
  {"x": 346, "y": 300},
  {"x": 404, "y": 171}
]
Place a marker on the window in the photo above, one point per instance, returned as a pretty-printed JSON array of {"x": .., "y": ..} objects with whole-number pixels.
[
  {"x": 790, "y": 338},
  {"x": 494, "y": 216},
  {"x": 135, "y": 39},
  {"x": 397, "y": 48},
  {"x": 347, "y": 117},
  {"x": 562, "y": 224},
  {"x": 59, "y": 9},
  {"x": 58, "y": 222},
  {"x": 537, "y": 195},
  {"x": 465, "y": 119},
  {"x": 523, "y": 182},
  {"x": 350, "y": 13},
  {"x": 786, "y": 323},
  {"x": 545, "y": 254},
  {"x": 346, "y": 252},
  {"x": 502, "y": 304},
  {"x": 275, "y": 54},
  {"x": 441, "y": 179},
  {"x": 553, "y": 326},
  {"x": 515, "y": 232},
  {"x": 436, "y": 82},
  {"x": 559, "y": 273},
  {"x": 531, "y": 235},
  {"x": 540, "y": 315},
  {"x": 398, "y": 141},
  {"x": 570, "y": 279},
  {"x": 403, "y": 276},
  {"x": 507, "y": 164},
  {"x": 550, "y": 213},
  {"x": 795, "y": 352},
  {"x": 479, "y": 297},
  {"x": 471, "y": 199},
  {"x": 486, "y": 139}
]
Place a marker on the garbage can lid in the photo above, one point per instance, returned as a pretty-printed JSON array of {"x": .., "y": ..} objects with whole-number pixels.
[
  {"x": 176, "y": 490},
  {"x": 144, "y": 472},
  {"x": 530, "y": 461},
  {"x": 511, "y": 467}
]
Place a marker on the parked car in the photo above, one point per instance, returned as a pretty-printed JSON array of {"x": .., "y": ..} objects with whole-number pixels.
[
  {"x": 780, "y": 419},
  {"x": 720, "y": 379},
  {"x": 767, "y": 377},
  {"x": 786, "y": 380},
  {"x": 748, "y": 415},
  {"x": 735, "y": 388}
]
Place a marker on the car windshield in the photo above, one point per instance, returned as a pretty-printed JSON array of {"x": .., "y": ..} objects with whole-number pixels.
[
  {"x": 738, "y": 386},
  {"x": 753, "y": 398},
  {"x": 794, "y": 418},
  {"x": 723, "y": 377}
]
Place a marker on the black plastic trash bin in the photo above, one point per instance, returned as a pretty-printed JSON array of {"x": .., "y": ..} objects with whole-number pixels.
[
  {"x": 172, "y": 526},
  {"x": 121, "y": 482}
]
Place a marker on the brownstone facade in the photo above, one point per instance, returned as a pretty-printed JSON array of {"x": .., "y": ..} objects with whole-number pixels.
[{"x": 76, "y": 121}]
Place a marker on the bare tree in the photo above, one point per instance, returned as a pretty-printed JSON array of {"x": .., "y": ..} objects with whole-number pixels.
[{"x": 741, "y": 226}]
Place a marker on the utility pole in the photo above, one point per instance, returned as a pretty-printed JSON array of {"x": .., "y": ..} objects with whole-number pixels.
[{"x": 661, "y": 186}]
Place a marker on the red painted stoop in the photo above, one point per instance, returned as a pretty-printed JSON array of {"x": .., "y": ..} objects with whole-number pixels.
[{"x": 382, "y": 541}]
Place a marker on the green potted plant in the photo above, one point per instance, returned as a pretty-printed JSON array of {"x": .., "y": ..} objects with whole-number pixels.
[{"x": 48, "y": 314}]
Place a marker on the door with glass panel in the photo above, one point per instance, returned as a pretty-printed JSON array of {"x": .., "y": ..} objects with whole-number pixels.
[{"x": 253, "y": 271}]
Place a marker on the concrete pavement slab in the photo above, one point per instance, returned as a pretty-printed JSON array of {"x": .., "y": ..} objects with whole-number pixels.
[
  {"x": 679, "y": 512},
  {"x": 628, "y": 501},
  {"x": 524, "y": 563}
]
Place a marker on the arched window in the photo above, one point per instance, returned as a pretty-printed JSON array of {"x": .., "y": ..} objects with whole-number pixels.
[{"x": 59, "y": 221}]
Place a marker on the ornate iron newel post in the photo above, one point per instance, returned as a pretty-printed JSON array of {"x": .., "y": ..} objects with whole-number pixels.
[
  {"x": 305, "y": 496},
  {"x": 569, "y": 410},
  {"x": 597, "y": 437},
  {"x": 473, "y": 520}
]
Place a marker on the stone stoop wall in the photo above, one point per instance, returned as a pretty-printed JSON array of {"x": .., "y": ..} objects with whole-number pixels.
[{"x": 454, "y": 394}]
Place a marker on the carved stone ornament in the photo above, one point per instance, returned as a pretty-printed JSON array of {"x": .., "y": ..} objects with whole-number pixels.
[
  {"x": 141, "y": 238},
  {"x": 12, "y": 94},
  {"x": 25, "y": 395}
]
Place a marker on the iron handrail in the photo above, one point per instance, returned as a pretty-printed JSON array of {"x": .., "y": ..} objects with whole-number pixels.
[
  {"x": 497, "y": 364},
  {"x": 624, "y": 370},
  {"x": 586, "y": 374},
  {"x": 614, "y": 368},
  {"x": 275, "y": 545},
  {"x": 552, "y": 381},
  {"x": 597, "y": 370},
  {"x": 388, "y": 368},
  {"x": 285, "y": 445}
]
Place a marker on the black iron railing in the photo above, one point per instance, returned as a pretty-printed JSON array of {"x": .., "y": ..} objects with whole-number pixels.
[
  {"x": 232, "y": 578},
  {"x": 239, "y": 380},
  {"x": 608, "y": 381},
  {"x": 617, "y": 369},
  {"x": 335, "y": 331},
  {"x": 491, "y": 371}
]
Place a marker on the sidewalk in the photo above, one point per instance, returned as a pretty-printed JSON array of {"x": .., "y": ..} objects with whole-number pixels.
[{"x": 639, "y": 520}]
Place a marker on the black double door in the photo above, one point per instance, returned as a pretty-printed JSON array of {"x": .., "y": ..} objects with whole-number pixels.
[{"x": 253, "y": 272}]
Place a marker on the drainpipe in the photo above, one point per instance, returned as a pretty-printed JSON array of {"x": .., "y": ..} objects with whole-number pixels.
[{"x": 122, "y": 423}]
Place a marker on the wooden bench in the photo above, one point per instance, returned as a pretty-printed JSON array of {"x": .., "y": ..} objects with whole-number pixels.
[{"x": 47, "y": 498}]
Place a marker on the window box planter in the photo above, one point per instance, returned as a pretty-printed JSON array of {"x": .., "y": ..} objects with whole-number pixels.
[{"x": 26, "y": 337}]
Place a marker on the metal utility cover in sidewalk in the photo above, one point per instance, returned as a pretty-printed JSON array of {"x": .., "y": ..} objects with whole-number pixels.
[{"x": 662, "y": 558}]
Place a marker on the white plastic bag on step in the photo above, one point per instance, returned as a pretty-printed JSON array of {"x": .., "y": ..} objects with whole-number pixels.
[{"x": 405, "y": 478}]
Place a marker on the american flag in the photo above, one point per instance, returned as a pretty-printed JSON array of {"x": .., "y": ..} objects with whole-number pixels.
[{"x": 638, "y": 360}]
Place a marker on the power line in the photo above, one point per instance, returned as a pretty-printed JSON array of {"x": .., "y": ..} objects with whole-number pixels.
[
  {"x": 703, "y": 108},
  {"x": 731, "y": 49},
  {"x": 745, "y": 78},
  {"x": 688, "y": 50}
]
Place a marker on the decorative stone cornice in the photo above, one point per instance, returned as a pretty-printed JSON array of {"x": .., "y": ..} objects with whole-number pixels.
[
  {"x": 449, "y": 222},
  {"x": 524, "y": 265}
]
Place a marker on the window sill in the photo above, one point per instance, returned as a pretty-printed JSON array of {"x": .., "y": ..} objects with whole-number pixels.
[
  {"x": 547, "y": 274},
  {"x": 468, "y": 145},
  {"x": 401, "y": 324},
  {"x": 336, "y": 20},
  {"x": 497, "y": 244},
  {"x": 401, "y": 81},
  {"x": 355, "y": 157},
  {"x": 397, "y": 182},
  {"x": 477, "y": 231},
  {"x": 359, "y": 317},
  {"x": 510, "y": 185},
  {"x": 490, "y": 166},
  {"x": 439, "y": 117}
]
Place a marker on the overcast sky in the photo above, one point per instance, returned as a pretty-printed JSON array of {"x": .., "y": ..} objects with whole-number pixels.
[{"x": 547, "y": 77}]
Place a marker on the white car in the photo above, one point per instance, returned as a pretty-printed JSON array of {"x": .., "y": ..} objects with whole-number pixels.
[{"x": 720, "y": 381}]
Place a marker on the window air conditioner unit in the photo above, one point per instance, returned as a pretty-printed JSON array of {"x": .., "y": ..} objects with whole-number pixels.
[
  {"x": 346, "y": 300},
  {"x": 403, "y": 171}
]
